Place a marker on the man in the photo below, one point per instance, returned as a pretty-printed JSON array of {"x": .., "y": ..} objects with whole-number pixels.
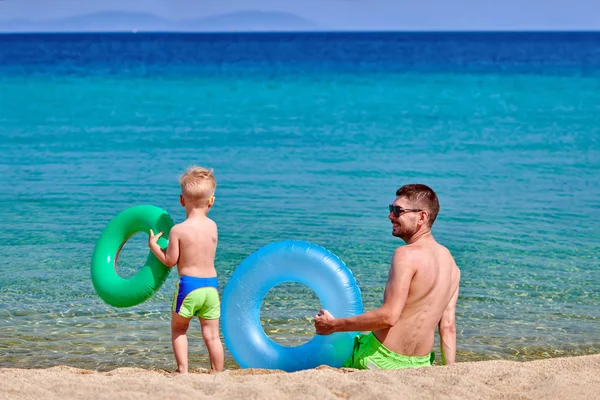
[{"x": 421, "y": 293}]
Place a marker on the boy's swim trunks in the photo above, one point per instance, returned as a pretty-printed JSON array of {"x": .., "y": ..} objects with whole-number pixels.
[
  {"x": 197, "y": 297},
  {"x": 370, "y": 353}
]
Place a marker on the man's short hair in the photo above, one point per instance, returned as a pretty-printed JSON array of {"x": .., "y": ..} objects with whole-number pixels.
[{"x": 423, "y": 197}]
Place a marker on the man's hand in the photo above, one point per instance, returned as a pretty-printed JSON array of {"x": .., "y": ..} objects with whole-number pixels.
[
  {"x": 324, "y": 323},
  {"x": 153, "y": 239}
]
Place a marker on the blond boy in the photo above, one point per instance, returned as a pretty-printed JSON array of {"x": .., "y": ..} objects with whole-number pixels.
[{"x": 192, "y": 246}]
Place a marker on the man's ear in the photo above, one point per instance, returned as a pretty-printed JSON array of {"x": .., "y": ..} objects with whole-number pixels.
[
  {"x": 211, "y": 201},
  {"x": 181, "y": 200},
  {"x": 423, "y": 217}
]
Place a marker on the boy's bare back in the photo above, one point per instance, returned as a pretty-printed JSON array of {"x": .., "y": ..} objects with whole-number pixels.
[{"x": 197, "y": 237}]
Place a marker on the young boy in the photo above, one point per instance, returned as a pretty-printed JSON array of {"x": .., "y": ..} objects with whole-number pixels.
[{"x": 192, "y": 246}]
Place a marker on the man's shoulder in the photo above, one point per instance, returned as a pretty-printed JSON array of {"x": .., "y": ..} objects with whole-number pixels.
[
  {"x": 409, "y": 251},
  {"x": 419, "y": 254},
  {"x": 407, "y": 256},
  {"x": 402, "y": 251}
]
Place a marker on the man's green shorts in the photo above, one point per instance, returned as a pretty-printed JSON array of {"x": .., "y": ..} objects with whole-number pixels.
[{"x": 370, "y": 353}]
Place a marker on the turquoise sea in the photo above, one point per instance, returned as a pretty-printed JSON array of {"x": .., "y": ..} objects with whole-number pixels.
[{"x": 309, "y": 136}]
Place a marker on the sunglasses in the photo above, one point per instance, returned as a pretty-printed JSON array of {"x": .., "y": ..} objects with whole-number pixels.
[{"x": 398, "y": 211}]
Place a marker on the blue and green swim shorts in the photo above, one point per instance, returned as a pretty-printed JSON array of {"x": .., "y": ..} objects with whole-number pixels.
[
  {"x": 197, "y": 297},
  {"x": 370, "y": 353}
]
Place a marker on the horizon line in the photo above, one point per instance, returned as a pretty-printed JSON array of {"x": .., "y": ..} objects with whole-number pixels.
[{"x": 142, "y": 32}]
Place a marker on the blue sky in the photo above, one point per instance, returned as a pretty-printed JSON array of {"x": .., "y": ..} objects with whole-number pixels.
[{"x": 348, "y": 14}]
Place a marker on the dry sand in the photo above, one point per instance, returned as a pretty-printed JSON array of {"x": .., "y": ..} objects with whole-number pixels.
[{"x": 559, "y": 378}]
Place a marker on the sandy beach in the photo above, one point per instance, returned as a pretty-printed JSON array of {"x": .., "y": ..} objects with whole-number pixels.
[{"x": 564, "y": 378}]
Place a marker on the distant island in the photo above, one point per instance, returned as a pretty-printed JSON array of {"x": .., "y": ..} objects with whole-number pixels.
[{"x": 117, "y": 21}]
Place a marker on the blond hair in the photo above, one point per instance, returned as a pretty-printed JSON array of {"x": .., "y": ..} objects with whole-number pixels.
[{"x": 197, "y": 185}]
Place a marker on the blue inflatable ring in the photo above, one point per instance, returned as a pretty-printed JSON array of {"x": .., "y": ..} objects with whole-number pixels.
[{"x": 288, "y": 261}]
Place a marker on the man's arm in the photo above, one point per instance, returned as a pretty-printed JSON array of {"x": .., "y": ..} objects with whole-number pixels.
[
  {"x": 447, "y": 330},
  {"x": 402, "y": 270},
  {"x": 170, "y": 256}
]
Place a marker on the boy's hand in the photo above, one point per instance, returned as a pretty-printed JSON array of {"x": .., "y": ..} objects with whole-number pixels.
[{"x": 153, "y": 239}]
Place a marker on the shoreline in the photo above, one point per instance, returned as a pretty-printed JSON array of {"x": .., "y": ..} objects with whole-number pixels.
[
  {"x": 569, "y": 378},
  {"x": 199, "y": 360}
]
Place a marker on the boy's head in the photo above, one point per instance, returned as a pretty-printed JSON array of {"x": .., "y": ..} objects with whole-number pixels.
[{"x": 198, "y": 187}]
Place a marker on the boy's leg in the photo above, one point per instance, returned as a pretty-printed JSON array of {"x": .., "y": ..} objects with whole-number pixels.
[
  {"x": 179, "y": 327},
  {"x": 210, "y": 334}
]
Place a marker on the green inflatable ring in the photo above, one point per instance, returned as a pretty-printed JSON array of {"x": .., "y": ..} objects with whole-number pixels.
[{"x": 113, "y": 289}]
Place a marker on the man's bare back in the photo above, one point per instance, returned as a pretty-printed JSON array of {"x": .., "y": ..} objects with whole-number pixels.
[
  {"x": 434, "y": 283},
  {"x": 197, "y": 238},
  {"x": 420, "y": 294}
]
